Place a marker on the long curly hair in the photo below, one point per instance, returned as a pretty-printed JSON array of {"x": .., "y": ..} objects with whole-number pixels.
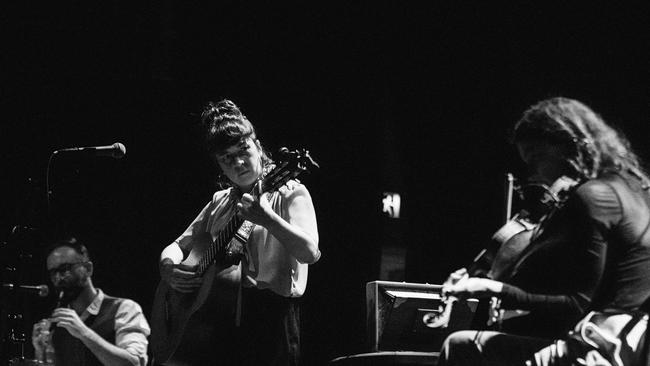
[{"x": 595, "y": 147}]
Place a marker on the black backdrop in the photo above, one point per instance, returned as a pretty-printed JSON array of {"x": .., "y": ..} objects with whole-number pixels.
[{"x": 412, "y": 98}]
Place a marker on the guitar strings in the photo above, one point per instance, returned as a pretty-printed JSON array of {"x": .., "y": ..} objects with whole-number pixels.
[{"x": 272, "y": 179}]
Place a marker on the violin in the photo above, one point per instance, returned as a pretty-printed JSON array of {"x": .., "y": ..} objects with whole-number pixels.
[{"x": 538, "y": 201}]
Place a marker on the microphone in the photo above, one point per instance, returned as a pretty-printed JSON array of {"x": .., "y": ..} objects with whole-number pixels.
[
  {"x": 40, "y": 290},
  {"x": 116, "y": 151}
]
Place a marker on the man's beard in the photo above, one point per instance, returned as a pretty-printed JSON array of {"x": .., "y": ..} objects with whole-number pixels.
[{"x": 70, "y": 292}]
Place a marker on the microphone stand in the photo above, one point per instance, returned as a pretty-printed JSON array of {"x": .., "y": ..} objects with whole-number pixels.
[
  {"x": 15, "y": 314},
  {"x": 17, "y": 309}
]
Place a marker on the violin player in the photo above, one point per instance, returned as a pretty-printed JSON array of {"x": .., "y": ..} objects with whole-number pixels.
[{"x": 589, "y": 252}]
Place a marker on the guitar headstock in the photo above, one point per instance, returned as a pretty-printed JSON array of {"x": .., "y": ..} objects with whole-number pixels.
[{"x": 289, "y": 165}]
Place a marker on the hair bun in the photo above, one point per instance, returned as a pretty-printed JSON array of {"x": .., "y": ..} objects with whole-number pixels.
[{"x": 222, "y": 110}]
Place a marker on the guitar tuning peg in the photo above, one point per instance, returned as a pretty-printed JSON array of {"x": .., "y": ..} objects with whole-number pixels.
[{"x": 311, "y": 160}]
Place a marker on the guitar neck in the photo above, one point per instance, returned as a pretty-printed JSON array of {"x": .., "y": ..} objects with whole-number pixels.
[
  {"x": 220, "y": 243},
  {"x": 272, "y": 180}
]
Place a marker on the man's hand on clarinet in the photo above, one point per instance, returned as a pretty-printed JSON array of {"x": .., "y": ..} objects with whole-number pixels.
[{"x": 69, "y": 319}]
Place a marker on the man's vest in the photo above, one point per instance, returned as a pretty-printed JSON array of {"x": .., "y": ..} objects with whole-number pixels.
[{"x": 70, "y": 351}]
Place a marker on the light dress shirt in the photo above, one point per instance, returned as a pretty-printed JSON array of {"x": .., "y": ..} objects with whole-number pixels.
[{"x": 131, "y": 327}]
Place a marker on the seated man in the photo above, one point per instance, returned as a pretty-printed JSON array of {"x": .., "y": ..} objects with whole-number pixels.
[{"x": 88, "y": 326}]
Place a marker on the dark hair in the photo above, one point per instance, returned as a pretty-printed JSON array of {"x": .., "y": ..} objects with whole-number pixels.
[
  {"x": 595, "y": 147},
  {"x": 224, "y": 125},
  {"x": 69, "y": 242}
]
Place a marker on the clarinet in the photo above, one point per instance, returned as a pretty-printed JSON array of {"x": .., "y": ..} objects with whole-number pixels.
[
  {"x": 59, "y": 303},
  {"x": 49, "y": 347}
]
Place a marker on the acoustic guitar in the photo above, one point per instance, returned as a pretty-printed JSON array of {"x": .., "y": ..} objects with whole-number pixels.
[{"x": 185, "y": 325}]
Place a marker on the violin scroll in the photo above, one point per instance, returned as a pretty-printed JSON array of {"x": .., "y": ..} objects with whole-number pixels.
[
  {"x": 441, "y": 317},
  {"x": 538, "y": 199}
]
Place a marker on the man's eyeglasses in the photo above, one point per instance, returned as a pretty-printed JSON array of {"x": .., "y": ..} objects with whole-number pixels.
[{"x": 63, "y": 268}]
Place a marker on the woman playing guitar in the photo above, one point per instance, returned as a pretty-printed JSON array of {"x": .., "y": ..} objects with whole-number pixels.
[
  {"x": 248, "y": 311},
  {"x": 590, "y": 252}
]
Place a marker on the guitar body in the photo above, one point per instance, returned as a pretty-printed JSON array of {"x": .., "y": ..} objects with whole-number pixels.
[{"x": 185, "y": 327}]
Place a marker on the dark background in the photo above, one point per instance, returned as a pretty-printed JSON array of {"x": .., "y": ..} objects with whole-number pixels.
[{"x": 413, "y": 98}]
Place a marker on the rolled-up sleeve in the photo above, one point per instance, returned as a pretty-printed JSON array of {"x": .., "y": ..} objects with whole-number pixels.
[{"x": 132, "y": 330}]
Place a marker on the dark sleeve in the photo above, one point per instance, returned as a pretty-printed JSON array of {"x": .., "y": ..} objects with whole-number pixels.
[{"x": 593, "y": 212}]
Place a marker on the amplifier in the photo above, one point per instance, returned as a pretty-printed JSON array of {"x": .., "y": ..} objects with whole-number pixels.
[{"x": 398, "y": 316}]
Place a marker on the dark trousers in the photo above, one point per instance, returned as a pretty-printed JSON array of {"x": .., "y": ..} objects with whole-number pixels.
[
  {"x": 487, "y": 348},
  {"x": 270, "y": 329}
]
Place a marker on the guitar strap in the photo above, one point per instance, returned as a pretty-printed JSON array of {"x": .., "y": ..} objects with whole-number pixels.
[
  {"x": 242, "y": 236},
  {"x": 238, "y": 306}
]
